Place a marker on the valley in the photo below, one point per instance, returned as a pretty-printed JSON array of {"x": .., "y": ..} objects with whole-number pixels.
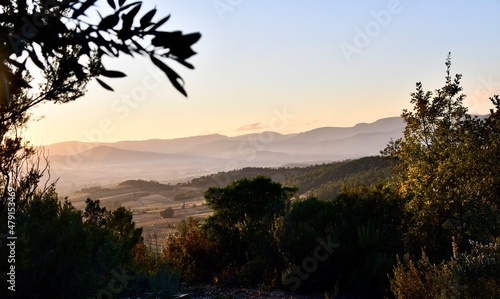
[
  {"x": 146, "y": 199},
  {"x": 85, "y": 164}
]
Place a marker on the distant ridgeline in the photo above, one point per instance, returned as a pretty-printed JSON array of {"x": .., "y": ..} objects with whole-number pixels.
[{"x": 321, "y": 181}]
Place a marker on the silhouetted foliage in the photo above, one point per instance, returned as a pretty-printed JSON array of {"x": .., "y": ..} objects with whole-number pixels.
[
  {"x": 67, "y": 46},
  {"x": 256, "y": 236},
  {"x": 61, "y": 40},
  {"x": 365, "y": 222},
  {"x": 244, "y": 221},
  {"x": 167, "y": 213},
  {"x": 63, "y": 252}
]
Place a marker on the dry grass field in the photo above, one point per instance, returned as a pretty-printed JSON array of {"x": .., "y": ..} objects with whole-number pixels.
[{"x": 146, "y": 206}]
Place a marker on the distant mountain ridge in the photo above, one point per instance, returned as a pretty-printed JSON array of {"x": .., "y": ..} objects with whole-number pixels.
[{"x": 82, "y": 164}]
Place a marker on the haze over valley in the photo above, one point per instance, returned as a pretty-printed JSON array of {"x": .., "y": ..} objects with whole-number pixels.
[{"x": 85, "y": 164}]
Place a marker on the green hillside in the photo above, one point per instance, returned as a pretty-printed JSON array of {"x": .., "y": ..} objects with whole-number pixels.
[{"x": 322, "y": 180}]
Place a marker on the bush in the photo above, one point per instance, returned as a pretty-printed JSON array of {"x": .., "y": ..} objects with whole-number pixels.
[
  {"x": 474, "y": 274},
  {"x": 191, "y": 253},
  {"x": 167, "y": 213},
  {"x": 364, "y": 221},
  {"x": 244, "y": 220},
  {"x": 64, "y": 253},
  {"x": 153, "y": 276},
  {"x": 258, "y": 237},
  {"x": 422, "y": 279}
]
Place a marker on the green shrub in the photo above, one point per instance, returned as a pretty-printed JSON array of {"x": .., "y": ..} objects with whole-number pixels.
[
  {"x": 62, "y": 252},
  {"x": 474, "y": 274}
]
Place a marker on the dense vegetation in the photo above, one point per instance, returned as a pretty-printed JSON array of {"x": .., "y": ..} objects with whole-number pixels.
[
  {"x": 321, "y": 180},
  {"x": 431, "y": 230},
  {"x": 49, "y": 249},
  {"x": 146, "y": 185}
]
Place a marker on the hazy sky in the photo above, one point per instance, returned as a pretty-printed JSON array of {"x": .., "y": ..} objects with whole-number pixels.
[{"x": 287, "y": 66}]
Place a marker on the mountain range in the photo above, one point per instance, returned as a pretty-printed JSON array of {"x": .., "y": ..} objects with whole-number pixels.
[{"x": 84, "y": 164}]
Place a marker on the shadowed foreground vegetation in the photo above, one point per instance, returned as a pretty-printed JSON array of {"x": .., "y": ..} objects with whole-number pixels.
[{"x": 430, "y": 230}]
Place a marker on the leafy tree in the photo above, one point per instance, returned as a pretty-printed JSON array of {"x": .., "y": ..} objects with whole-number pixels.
[
  {"x": 62, "y": 252},
  {"x": 59, "y": 38},
  {"x": 67, "y": 46},
  {"x": 365, "y": 224},
  {"x": 66, "y": 253},
  {"x": 244, "y": 220},
  {"x": 447, "y": 166}
]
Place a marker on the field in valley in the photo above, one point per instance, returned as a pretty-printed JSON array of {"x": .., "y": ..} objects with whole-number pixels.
[{"x": 146, "y": 203}]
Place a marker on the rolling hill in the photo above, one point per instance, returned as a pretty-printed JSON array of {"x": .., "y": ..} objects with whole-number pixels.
[{"x": 80, "y": 164}]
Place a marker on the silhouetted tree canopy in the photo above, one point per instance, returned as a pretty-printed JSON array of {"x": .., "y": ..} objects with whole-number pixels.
[{"x": 66, "y": 40}]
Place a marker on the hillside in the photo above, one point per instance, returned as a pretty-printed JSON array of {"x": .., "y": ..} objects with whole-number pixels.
[
  {"x": 147, "y": 198},
  {"x": 81, "y": 165},
  {"x": 322, "y": 180}
]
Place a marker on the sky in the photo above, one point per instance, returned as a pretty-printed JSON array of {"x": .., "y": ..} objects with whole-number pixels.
[{"x": 286, "y": 66}]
